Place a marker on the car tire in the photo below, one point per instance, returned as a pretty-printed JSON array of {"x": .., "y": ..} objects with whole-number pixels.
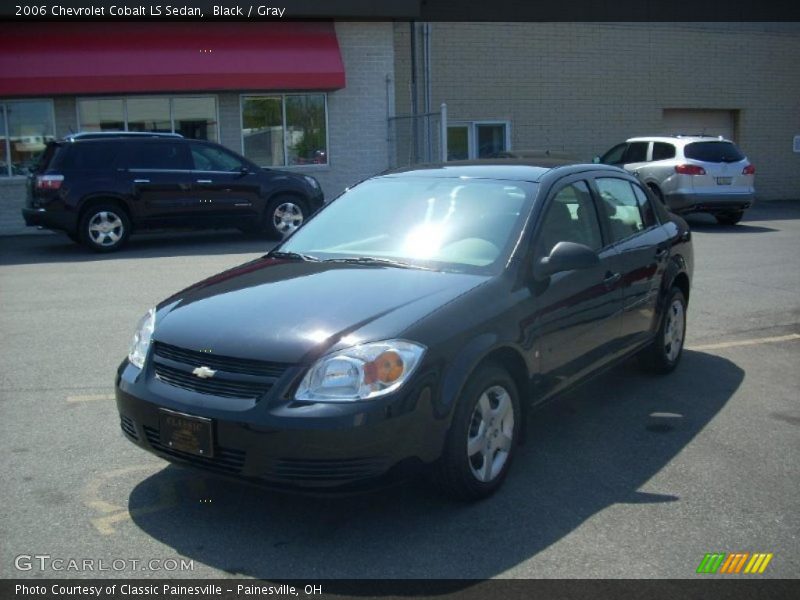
[
  {"x": 664, "y": 354},
  {"x": 482, "y": 438},
  {"x": 104, "y": 228},
  {"x": 283, "y": 215},
  {"x": 731, "y": 218}
]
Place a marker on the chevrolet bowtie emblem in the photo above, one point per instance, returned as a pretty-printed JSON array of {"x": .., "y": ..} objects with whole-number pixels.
[{"x": 204, "y": 372}]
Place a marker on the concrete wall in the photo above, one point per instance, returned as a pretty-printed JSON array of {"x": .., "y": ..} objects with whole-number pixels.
[
  {"x": 357, "y": 119},
  {"x": 582, "y": 87}
]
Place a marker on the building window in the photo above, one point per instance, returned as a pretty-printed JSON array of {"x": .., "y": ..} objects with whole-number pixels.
[
  {"x": 192, "y": 116},
  {"x": 285, "y": 130},
  {"x": 25, "y": 128},
  {"x": 477, "y": 139}
]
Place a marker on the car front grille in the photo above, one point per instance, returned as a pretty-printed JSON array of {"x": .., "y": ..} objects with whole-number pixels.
[
  {"x": 242, "y": 366},
  {"x": 234, "y": 377},
  {"x": 215, "y": 387},
  {"x": 324, "y": 470},
  {"x": 128, "y": 428},
  {"x": 225, "y": 460}
]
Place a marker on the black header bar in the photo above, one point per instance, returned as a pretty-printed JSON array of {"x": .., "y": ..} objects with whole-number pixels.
[{"x": 420, "y": 10}]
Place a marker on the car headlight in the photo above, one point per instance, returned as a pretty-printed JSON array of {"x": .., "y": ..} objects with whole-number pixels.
[
  {"x": 141, "y": 338},
  {"x": 311, "y": 181},
  {"x": 360, "y": 373}
]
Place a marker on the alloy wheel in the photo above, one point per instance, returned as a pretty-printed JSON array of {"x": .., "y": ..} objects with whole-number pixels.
[
  {"x": 287, "y": 217},
  {"x": 106, "y": 229},
  {"x": 490, "y": 434}
]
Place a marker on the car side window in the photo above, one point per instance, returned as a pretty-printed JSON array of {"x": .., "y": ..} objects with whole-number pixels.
[
  {"x": 663, "y": 151},
  {"x": 210, "y": 158},
  {"x": 570, "y": 217},
  {"x": 614, "y": 156},
  {"x": 162, "y": 156},
  {"x": 621, "y": 207},
  {"x": 636, "y": 152},
  {"x": 645, "y": 206}
]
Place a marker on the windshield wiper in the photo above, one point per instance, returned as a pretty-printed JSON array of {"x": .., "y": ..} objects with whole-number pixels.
[
  {"x": 372, "y": 260},
  {"x": 293, "y": 256}
]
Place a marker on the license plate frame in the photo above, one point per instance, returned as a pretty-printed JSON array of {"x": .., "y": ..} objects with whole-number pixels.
[
  {"x": 724, "y": 180},
  {"x": 186, "y": 433}
]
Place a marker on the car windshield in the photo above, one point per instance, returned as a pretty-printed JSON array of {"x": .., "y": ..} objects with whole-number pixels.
[{"x": 446, "y": 224}]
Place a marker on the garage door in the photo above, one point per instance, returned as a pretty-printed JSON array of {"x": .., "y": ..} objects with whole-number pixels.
[{"x": 695, "y": 121}]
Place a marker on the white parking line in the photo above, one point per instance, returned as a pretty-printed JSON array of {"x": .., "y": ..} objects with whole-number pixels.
[
  {"x": 90, "y": 397},
  {"x": 750, "y": 342}
]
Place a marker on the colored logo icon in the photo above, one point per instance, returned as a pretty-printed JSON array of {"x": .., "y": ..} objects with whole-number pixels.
[{"x": 734, "y": 563}]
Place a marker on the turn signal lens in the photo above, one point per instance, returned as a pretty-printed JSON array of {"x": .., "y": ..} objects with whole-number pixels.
[{"x": 387, "y": 368}]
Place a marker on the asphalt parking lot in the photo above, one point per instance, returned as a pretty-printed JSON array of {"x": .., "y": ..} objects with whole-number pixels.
[{"x": 630, "y": 476}]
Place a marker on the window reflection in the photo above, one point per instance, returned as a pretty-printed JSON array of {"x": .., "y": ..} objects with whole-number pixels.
[{"x": 29, "y": 128}]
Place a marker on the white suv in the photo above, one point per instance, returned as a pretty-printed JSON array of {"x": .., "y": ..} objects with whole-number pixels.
[{"x": 694, "y": 173}]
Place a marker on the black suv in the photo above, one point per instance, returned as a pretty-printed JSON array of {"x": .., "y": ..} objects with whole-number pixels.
[{"x": 99, "y": 187}]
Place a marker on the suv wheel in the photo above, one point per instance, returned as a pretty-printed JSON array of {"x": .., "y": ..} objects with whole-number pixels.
[
  {"x": 105, "y": 228},
  {"x": 283, "y": 215},
  {"x": 482, "y": 437},
  {"x": 731, "y": 218},
  {"x": 663, "y": 354}
]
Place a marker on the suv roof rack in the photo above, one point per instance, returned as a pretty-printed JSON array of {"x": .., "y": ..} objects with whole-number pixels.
[{"x": 94, "y": 135}]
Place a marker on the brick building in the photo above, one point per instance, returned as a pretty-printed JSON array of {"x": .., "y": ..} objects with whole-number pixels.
[{"x": 571, "y": 87}]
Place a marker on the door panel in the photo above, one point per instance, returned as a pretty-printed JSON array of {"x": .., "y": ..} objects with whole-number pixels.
[
  {"x": 224, "y": 190},
  {"x": 577, "y": 322},
  {"x": 642, "y": 248},
  {"x": 159, "y": 179}
]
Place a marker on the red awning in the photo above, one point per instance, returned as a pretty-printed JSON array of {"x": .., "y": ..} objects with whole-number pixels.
[{"x": 129, "y": 57}]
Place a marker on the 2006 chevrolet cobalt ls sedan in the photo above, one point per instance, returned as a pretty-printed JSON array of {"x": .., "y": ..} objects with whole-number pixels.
[{"x": 413, "y": 321}]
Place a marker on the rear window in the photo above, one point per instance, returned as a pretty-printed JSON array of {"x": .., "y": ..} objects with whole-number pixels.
[
  {"x": 89, "y": 156},
  {"x": 46, "y": 157},
  {"x": 715, "y": 152}
]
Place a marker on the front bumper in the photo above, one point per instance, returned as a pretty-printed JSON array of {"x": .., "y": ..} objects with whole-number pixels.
[
  {"x": 40, "y": 217},
  {"x": 709, "y": 203},
  {"x": 281, "y": 443}
]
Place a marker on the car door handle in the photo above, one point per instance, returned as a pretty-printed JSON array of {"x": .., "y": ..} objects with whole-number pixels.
[
  {"x": 611, "y": 278},
  {"x": 661, "y": 253},
  {"x": 204, "y": 181},
  {"x": 141, "y": 181}
]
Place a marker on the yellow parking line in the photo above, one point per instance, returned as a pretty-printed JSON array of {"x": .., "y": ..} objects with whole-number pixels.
[
  {"x": 750, "y": 342},
  {"x": 90, "y": 397}
]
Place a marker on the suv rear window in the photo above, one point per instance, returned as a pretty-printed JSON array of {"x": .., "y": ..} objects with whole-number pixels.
[
  {"x": 714, "y": 152},
  {"x": 46, "y": 157},
  {"x": 89, "y": 156}
]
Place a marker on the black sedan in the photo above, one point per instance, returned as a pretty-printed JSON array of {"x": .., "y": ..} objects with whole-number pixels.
[{"x": 414, "y": 321}]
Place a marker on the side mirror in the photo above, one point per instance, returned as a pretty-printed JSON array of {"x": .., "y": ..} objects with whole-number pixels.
[
  {"x": 244, "y": 170},
  {"x": 596, "y": 160},
  {"x": 565, "y": 256}
]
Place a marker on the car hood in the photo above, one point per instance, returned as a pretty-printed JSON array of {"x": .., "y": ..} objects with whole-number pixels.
[{"x": 294, "y": 311}]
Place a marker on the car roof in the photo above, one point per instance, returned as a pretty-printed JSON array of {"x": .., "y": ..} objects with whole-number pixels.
[
  {"x": 679, "y": 137},
  {"x": 106, "y": 135},
  {"x": 502, "y": 169}
]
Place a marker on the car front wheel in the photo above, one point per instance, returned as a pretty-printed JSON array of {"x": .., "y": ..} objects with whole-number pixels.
[
  {"x": 283, "y": 216},
  {"x": 105, "y": 228},
  {"x": 482, "y": 437}
]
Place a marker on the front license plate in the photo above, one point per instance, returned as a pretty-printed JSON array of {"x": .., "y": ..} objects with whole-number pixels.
[
  {"x": 185, "y": 433},
  {"x": 724, "y": 180}
]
